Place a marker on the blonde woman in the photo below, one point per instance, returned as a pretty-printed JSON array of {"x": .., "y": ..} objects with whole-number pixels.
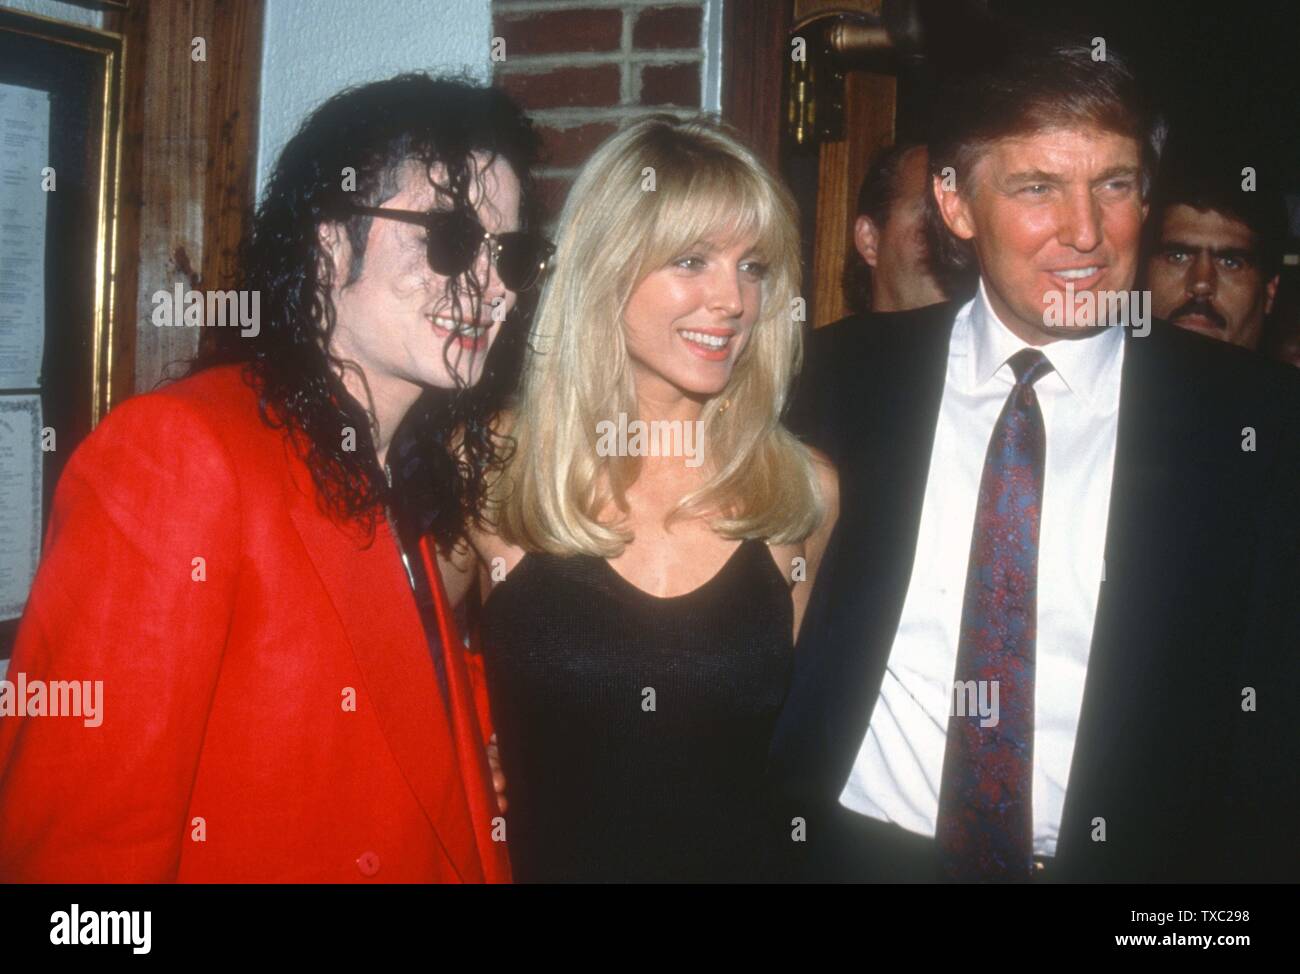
[{"x": 654, "y": 537}]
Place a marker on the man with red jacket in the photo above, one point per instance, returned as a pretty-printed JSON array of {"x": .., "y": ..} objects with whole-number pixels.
[{"x": 285, "y": 695}]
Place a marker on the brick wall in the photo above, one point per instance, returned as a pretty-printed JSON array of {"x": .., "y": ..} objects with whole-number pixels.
[{"x": 580, "y": 68}]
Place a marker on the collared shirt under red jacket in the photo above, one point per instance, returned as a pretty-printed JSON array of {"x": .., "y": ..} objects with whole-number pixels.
[{"x": 270, "y": 711}]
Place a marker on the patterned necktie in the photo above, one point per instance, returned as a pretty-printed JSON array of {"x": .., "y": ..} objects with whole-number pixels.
[{"x": 985, "y": 824}]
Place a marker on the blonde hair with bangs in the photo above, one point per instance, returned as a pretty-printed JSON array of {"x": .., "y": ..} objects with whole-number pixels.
[{"x": 613, "y": 231}]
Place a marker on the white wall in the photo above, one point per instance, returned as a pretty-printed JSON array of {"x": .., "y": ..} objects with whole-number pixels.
[
  {"x": 313, "y": 48},
  {"x": 84, "y": 16}
]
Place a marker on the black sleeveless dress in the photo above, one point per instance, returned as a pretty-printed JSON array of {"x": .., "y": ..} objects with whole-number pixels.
[{"x": 634, "y": 729}]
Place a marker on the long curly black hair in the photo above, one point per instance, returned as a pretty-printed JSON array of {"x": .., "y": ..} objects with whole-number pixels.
[{"x": 352, "y": 150}]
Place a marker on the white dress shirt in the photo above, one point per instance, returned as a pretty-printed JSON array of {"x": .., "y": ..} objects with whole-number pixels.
[{"x": 897, "y": 772}]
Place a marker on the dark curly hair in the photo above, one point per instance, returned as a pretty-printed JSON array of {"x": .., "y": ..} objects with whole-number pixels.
[{"x": 372, "y": 131}]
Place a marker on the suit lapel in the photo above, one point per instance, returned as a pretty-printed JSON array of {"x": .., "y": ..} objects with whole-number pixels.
[
  {"x": 1141, "y": 562},
  {"x": 370, "y": 593},
  {"x": 891, "y": 429}
]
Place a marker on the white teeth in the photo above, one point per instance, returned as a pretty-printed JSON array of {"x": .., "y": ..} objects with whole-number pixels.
[
  {"x": 1078, "y": 274},
  {"x": 466, "y": 331},
  {"x": 711, "y": 341}
]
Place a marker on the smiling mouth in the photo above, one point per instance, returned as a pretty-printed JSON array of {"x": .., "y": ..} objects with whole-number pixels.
[
  {"x": 1078, "y": 275},
  {"x": 446, "y": 326},
  {"x": 713, "y": 343}
]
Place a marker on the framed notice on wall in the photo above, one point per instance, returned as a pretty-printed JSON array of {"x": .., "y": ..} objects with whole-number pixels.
[{"x": 60, "y": 121}]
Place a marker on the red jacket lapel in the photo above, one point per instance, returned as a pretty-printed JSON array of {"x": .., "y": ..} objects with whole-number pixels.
[
  {"x": 370, "y": 593},
  {"x": 469, "y": 736}
]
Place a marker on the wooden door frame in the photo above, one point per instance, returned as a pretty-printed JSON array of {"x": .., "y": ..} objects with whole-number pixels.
[
  {"x": 189, "y": 152},
  {"x": 754, "y": 52},
  {"x": 755, "y": 41}
]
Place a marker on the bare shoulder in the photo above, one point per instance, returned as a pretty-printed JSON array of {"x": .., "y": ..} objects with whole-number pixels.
[
  {"x": 486, "y": 543},
  {"x": 829, "y": 481},
  {"x": 461, "y": 558},
  {"x": 811, "y": 549},
  {"x": 482, "y": 554},
  {"x": 458, "y": 567}
]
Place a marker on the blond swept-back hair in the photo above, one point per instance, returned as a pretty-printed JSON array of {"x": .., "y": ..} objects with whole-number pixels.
[{"x": 651, "y": 193}]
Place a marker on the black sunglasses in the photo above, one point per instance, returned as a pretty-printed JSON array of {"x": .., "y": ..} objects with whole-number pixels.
[{"x": 455, "y": 239}]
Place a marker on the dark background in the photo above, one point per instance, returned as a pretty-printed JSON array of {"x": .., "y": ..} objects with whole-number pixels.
[{"x": 1227, "y": 71}]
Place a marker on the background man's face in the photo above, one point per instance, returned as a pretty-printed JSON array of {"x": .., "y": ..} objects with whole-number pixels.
[
  {"x": 1048, "y": 210},
  {"x": 897, "y": 252},
  {"x": 1205, "y": 276}
]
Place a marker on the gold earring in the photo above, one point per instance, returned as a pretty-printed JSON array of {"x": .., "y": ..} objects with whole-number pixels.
[{"x": 726, "y": 404}]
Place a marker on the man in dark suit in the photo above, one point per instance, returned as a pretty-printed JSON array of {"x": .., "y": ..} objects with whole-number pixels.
[{"x": 1054, "y": 635}]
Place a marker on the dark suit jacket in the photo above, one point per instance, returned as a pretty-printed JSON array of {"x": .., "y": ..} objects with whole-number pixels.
[{"x": 1199, "y": 602}]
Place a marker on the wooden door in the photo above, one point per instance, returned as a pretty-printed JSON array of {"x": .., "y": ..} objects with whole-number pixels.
[{"x": 819, "y": 111}]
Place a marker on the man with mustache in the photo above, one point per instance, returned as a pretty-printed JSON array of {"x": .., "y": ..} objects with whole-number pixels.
[
  {"x": 1054, "y": 633},
  {"x": 1214, "y": 249}
]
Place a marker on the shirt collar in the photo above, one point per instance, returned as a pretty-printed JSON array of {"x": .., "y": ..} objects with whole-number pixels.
[{"x": 1089, "y": 367}]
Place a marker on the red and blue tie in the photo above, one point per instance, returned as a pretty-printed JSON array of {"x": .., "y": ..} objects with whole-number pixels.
[{"x": 985, "y": 823}]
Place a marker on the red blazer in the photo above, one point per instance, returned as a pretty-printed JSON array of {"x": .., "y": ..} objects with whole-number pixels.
[{"x": 227, "y": 751}]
